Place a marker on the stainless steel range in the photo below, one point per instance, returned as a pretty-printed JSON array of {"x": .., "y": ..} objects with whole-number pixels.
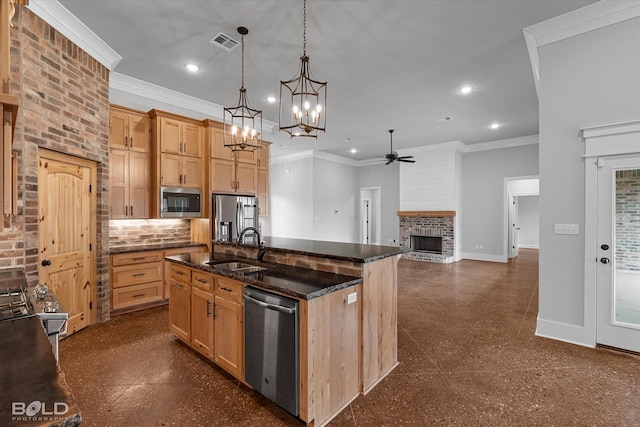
[
  {"x": 50, "y": 311},
  {"x": 36, "y": 300}
]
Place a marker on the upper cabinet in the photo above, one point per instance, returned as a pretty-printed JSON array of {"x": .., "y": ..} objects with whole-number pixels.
[
  {"x": 129, "y": 130},
  {"x": 129, "y": 163},
  {"x": 178, "y": 151}
]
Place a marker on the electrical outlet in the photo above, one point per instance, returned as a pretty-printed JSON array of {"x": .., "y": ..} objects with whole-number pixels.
[
  {"x": 351, "y": 298},
  {"x": 566, "y": 229}
]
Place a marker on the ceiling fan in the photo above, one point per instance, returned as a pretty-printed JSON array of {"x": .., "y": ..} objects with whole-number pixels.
[{"x": 393, "y": 156}]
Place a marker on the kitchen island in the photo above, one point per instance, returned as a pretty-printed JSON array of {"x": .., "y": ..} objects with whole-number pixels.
[{"x": 346, "y": 348}]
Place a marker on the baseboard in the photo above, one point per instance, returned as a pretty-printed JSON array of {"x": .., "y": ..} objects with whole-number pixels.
[
  {"x": 525, "y": 246},
  {"x": 483, "y": 257},
  {"x": 562, "y": 332}
]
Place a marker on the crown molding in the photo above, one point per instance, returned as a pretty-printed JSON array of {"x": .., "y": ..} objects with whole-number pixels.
[
  {"x": 312, "y": 154},
  {"x": 501, "y": 143},
  {"x": 155, "y": 93},
  {"x": 59, "y": 17}
]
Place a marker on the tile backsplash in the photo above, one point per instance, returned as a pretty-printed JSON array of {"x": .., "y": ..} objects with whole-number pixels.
[{"x": 148, "y": 231}]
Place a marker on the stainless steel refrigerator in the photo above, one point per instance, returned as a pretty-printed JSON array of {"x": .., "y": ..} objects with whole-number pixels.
[{"x": 232, "y": 213}]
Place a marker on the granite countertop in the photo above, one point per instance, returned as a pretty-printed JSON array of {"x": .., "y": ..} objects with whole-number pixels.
[
  {"x": 29, "y": 373},
  {"x": 301, "y": 283},
  {"x": 355, "y": 252},
  {"x": 151, "y": 247}
]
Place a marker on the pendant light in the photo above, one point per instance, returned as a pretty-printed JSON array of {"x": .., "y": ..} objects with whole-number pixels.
[
  {"x": 242, "y": 124},
  {"x": 303, "y": 100}
]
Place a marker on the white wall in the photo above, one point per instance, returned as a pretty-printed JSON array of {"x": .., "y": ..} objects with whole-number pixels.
[
  {"x": 529, "y": 221},
  {"x": 291, "y": 205},
  {"x": 587, "y": 80},
  {"x": 335, "y": 195},
  {"x": 387, "y": 177},
  {"x": 483, "y": 174}
]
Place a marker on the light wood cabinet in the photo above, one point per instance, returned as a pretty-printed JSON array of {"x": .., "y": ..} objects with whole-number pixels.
[
  {"x": 180, "y": 171},
  {"x": 230, "y": 171},
  {"x": 229, "y": 336},
  {"x": 129, "y": 129},
  {"x": 129, "y": 164},
  {"x": 263, "y": 192},
  {"x": 180, "y": 137},
  {"x": 202, "y": 328},
  {"x": 180, "y": 309},
  {"x": 136, "y": 279}
]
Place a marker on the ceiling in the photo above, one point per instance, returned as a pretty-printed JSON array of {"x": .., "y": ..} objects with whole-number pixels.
[{"x": 389, "y": 64}]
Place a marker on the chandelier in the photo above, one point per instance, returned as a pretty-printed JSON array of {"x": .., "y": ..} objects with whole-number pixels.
[
  {"x": 303, "y": 100},
  {"x": 242, "y": 124}
]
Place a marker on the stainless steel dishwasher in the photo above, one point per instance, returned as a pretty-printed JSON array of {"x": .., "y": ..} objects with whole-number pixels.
[{"x": 272, "y": 349}]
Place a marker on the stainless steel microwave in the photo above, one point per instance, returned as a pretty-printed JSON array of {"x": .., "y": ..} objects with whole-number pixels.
[{"x": 178, "y": 202}]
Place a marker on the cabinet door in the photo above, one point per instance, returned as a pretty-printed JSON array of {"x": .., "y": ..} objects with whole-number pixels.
[
  {"x": 118, "y": 129},
  {"x": 170, "y": 136},
  {"x": 246, "y": 156},
  {"x": 192, "y": 172},
  {"x": 118, "y": 187},
  {"x": 263, "y": 192},
  {"x": 222, "y": 174},
  {"x": 229, "y": 337},
  {"x": 192, "y": 139},
  {"x": 218, "y": 150},
  {"x": 202, "y": 321},
  {"x": 171, "y": 170},
  {"x": 139, "y": 133},
  {"x": 139, "y": 187},
  {"x": 262, "y": 157},
  {"x": 246, "y": 178},
  {"x": 180, "y": 309}
]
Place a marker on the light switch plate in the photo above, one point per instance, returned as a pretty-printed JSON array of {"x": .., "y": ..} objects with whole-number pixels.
[
  {"x": 566, "y": 229},
  {"x": 351, "y": 298}
]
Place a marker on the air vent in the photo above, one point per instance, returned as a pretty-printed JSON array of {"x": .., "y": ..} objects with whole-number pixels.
[{"x": 224, "y": 41}]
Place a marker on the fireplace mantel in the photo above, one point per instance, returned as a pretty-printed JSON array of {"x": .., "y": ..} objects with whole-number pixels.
[{"x": 427, "y": 214}]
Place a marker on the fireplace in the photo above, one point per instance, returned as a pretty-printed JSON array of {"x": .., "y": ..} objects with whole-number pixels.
[
  {"x": 429, "y": 244},
  {"x": 428, "y": 235}
]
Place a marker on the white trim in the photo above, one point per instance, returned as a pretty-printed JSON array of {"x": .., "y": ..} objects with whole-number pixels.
[
  {"x": 501, "y": 143},
  {"x": 532, "y": 48},
  {"x": 157, "y": 93},
  {"x": 59, "y": 17},
  {"x": 526, "y": 246},
  {"x": 563, "y": 332},
  {"x": 483, "y": 257},
  {"x": 588, "y": 18},
  {"x": 609, "y": 140},
  {"x": 334, "y": 158}
]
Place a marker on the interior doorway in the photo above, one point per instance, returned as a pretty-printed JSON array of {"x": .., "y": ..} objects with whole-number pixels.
[
  {"x": 370, "y": 216},
  {"x": 521, "y": 201}
]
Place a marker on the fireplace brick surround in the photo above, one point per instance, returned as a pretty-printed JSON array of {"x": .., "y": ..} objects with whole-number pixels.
[{"x": 428, "y": 223}]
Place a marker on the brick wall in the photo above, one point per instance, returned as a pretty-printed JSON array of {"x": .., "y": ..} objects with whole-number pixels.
[
  {"x": 428, "y": 226},
  {"x": 149, "y": 232},
  {"x": 64, "y": 106},
  {"x": 628, "y": 220}
]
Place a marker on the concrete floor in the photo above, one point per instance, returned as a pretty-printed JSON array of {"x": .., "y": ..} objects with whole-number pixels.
[{"x": 467, "y": 350}]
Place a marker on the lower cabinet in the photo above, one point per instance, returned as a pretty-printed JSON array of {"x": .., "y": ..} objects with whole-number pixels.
[
  {"x": 206, "y": 312},
  {"x": 136, "y": 278}
]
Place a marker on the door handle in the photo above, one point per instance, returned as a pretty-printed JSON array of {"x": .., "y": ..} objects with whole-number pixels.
[
  {"x": 46, "y": 262},
  {"x": 604, "y": 260},
  {"x": 604, "y": 247}
]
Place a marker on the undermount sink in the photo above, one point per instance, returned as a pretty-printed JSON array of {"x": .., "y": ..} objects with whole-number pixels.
[{"x": 238, "y": 267}]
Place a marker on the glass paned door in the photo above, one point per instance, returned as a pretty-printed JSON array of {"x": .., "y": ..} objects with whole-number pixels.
[{"x": 618, "y": 271}]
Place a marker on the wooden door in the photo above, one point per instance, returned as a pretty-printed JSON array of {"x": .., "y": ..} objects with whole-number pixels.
[
  {"x": 180, "y": 309},
  {"x": 139, "y": 186},
  {"x": 66, "y": 227},
  {"x": 118, "y": 184},
  {"x": 222, "y": 173},
  {"x": 229, "y": 336},
  {"x": 139, "y": 133},
  {"x": 246, "y": 178},
  {"x": 171, "y": 170},
  {"x": 192, "y": 139},
  {"x": 118, "y": 129},
  {"x": 192, "y": 172},
  {"x": 170, "y": 138},
  {"x": 218, "y": 150},
  {"x": 202, "y": 321}
]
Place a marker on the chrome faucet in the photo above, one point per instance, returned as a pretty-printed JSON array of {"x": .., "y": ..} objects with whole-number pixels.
[{"x": 259, "y": 245}]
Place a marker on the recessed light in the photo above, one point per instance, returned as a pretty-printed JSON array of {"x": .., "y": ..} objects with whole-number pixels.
[
  {"x": 444, "y": 119},
  {"x": 354, "y": 151},
  {"x": 271, "y": 99},
  {"x": 466, "y": 90},
  {"x": 192, "y": 67},
  {"x": 494, "y": 125}
]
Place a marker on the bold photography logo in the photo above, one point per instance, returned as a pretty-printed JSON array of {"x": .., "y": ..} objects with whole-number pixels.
[{"x": 38, "y": 410}]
